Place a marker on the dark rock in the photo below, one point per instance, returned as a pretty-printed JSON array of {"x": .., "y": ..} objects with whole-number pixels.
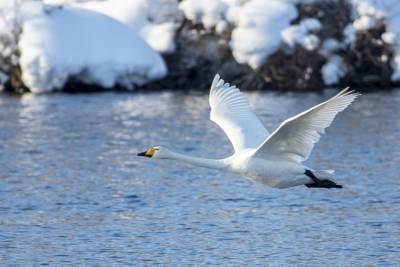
[
  {"x": 299, "y": 70},
  {"x": 200, "y": 54},
  {"x": 365, "y": 65}
]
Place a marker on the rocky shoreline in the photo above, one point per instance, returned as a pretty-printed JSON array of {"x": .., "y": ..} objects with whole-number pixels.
[{"x": 328, "y": 44}]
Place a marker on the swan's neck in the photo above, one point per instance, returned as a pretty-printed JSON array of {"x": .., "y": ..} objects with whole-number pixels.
[{"x": 201, "y": 162}]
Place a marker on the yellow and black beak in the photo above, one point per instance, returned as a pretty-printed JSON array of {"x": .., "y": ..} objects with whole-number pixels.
[
  {"x": 148, "y": 153},
  {"x": 142, "y": 154}
]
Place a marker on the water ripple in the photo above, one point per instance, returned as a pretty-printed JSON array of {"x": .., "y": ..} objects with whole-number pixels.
[{"x": 72, "y": 191}]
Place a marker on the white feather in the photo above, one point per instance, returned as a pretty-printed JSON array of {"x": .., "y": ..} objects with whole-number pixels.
[
  {"x": 294, "y": 139},
  {"x": 230, "y": 109}
]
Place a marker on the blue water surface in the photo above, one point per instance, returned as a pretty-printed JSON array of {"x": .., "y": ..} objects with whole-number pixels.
[{"x": 74, "y": 193}]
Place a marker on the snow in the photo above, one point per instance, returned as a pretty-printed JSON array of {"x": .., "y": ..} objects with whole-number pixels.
[
  {"x": 300, "y": 34},
  {"x": 222, "y": 27},
  {"x": 155, "y": 20},
  {"x": 329, "y": 46},
  {"x": 112, "y": 42},
  {"x": 389, "y": 12},
  {"x": 10, "y": 19},
  {"x": 389, "y": 37},
  {"x": 311, "y": 24},
  {"x": 349, "y": 34},
  {"x": 258, "y": 31},
  {"x": 210, "y": 13},
  {"x": 364, "y": 23},
  {"x": 3, "y": 79},
  {"x": 103, "y": 51},
  {"x": 333, "y": 70},
  {"x": 257, "y": 24}
]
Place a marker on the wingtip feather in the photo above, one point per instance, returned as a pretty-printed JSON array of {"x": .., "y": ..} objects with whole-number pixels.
[
  {"x": 347, "y": 93},
  {"x": 215, "y": 80},
  {"x": 344, "y": 91}
]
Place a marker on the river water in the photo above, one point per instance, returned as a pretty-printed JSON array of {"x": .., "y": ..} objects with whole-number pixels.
[{"x": 74, "y": 193}]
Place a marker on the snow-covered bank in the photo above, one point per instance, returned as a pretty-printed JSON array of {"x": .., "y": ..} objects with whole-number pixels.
[
  {"x": 294, "y": 44},
  {"x": 155, "y": 21},
  {"x": 258, "y": 34},
  {"x": 60, "y": 43}
]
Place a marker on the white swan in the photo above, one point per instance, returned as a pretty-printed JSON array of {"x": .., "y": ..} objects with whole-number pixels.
[{"x": 272, "y": 159}]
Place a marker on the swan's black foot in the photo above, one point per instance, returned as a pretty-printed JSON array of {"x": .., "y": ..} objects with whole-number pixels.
[{"x": 325, "y": 183}]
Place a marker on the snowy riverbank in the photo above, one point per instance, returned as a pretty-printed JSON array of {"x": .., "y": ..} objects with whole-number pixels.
[{"x": 297, "y": 45}]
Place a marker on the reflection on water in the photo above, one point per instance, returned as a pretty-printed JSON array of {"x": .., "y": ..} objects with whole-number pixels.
[{"x": 72, "y": 191}]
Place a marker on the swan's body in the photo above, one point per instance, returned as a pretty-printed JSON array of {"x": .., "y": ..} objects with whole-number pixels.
[{"x": 272, "y": 159}]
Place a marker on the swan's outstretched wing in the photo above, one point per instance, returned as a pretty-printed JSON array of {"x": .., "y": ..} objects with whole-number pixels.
[
  {"x": 230, "y": 109},
  {"x": 294, "y": 139}
]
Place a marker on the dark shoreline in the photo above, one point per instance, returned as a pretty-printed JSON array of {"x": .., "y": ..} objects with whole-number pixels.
[
  {"x": 201, "y": 53},
  {"x": 93, "y": 89}
]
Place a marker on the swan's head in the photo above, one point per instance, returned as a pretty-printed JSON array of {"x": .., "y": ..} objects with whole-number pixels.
[{"x": 155, "y": 152}]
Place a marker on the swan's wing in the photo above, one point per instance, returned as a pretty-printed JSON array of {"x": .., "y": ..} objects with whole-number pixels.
[
  {"x": 230, "y": 109},
  {"x": 294, "y": 139}
]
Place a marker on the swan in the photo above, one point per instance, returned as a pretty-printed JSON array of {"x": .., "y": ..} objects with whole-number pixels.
[{"x": 275, "y": 159}]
